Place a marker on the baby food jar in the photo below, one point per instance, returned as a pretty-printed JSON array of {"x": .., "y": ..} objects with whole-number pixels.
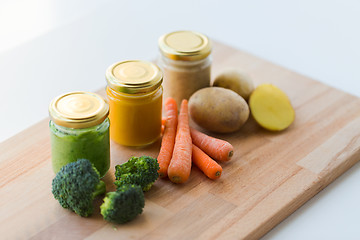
[
  {"x": 134, "y": 92},
  {"x": 186, "y": 62},
  {"x": 79, "y": 128}
]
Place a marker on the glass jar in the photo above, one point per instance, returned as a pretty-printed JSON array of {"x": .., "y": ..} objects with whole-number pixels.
[
  {"x": 79, "y": 128},
  {"x": 185, "y": 60},
  {"x": 134, "y": 92}
]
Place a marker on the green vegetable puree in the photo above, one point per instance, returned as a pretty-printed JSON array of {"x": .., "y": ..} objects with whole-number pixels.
[{"x": 70, "y": 144}]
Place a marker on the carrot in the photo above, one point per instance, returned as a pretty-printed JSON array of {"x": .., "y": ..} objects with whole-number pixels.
[
  {"x": 206, "y": 164},
  {"x": 217, "y": 149},
  {"x": 168, "y": 138},
  {"x": 163, "y": 122},
  {"x": 180, "y": 164},
  {"x": 162, "y": 129}
]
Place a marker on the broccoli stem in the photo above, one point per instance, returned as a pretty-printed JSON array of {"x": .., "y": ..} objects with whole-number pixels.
[
  {"x": 147, "y": 187},
  {"x": 99, "y": 189}
]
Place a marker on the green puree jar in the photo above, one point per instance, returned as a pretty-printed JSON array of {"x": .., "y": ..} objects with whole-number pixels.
[{"x": 79, "y": 128}]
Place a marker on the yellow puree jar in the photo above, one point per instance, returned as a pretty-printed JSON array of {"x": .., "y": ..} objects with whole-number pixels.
[{"x": 135, "y": 97}]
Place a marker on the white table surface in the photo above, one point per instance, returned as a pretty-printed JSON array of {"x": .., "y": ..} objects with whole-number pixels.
[{"x": 48, "y": 47}]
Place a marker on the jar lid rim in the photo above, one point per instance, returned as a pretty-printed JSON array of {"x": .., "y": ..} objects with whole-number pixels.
[
  {"x": 78, "y": 109},
  {"x": 185, "y": 45},
  {"x": 134, "y": 76}
]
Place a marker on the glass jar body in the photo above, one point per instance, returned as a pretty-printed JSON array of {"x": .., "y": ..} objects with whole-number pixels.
[
  {"x": 135, "y": 118},
  {"x": 183, "y": 78},
  {"x": 70, "y": 144}
]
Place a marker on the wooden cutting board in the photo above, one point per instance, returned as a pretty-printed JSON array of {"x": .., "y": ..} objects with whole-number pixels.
[{"x": 270, "y": 176}]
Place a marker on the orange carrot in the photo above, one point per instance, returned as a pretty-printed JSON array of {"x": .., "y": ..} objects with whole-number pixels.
[
  {"x": 180, "y": 164},
  {"x": 168, "y": 138},
  {"x": 206, "y": 164},
  {"x": 163, "y": 122},
  {"x": 216, "y": 148}
]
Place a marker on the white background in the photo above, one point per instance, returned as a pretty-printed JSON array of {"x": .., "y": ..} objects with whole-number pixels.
[{"x": 48, "y": 47}]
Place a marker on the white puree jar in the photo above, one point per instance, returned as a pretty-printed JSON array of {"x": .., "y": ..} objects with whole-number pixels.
[{"x": 186, "y": 63}]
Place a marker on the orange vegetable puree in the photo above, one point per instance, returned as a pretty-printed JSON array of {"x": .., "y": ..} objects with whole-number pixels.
[{"x": 135, "y": 118}]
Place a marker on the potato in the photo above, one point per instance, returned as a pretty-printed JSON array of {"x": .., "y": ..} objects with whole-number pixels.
[
  {"x": 218, "y": 109},
  {"x": 271, "y": 107},
  {"x": 235, "y": 80}
]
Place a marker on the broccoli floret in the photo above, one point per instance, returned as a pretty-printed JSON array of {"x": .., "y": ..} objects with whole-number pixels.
[
  {"x": 76, "y": 185},
  {"x": 124, "y": 204},
  {"x": 142, "y": 171}
]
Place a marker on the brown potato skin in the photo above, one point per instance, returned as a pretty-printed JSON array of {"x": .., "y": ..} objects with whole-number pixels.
[
  {"x": 235, "y": 80},
  {"x": 218, "y": 109}
]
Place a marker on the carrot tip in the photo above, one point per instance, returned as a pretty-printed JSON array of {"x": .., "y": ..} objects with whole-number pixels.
[
  {"x": 217, "y": 174},
  {"x": 176, "y": 179},
  {"x": 231, "y": 153}
]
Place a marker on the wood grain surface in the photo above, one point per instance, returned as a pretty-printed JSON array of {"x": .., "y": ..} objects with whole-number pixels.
[{"x": 270, "y": 176}]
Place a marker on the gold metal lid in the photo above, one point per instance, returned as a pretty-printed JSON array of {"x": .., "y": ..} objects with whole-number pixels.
[
  {"x": 134, "y": 76},
  {"x": 78, "y": 110},
  {"x": 185, "y": 45}
]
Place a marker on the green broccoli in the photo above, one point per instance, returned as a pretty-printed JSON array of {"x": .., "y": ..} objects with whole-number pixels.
[
  {"x": 124, "y": 204},
  {"x": 76, "y": 185},
  {"x": 142, "y": 171}
]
